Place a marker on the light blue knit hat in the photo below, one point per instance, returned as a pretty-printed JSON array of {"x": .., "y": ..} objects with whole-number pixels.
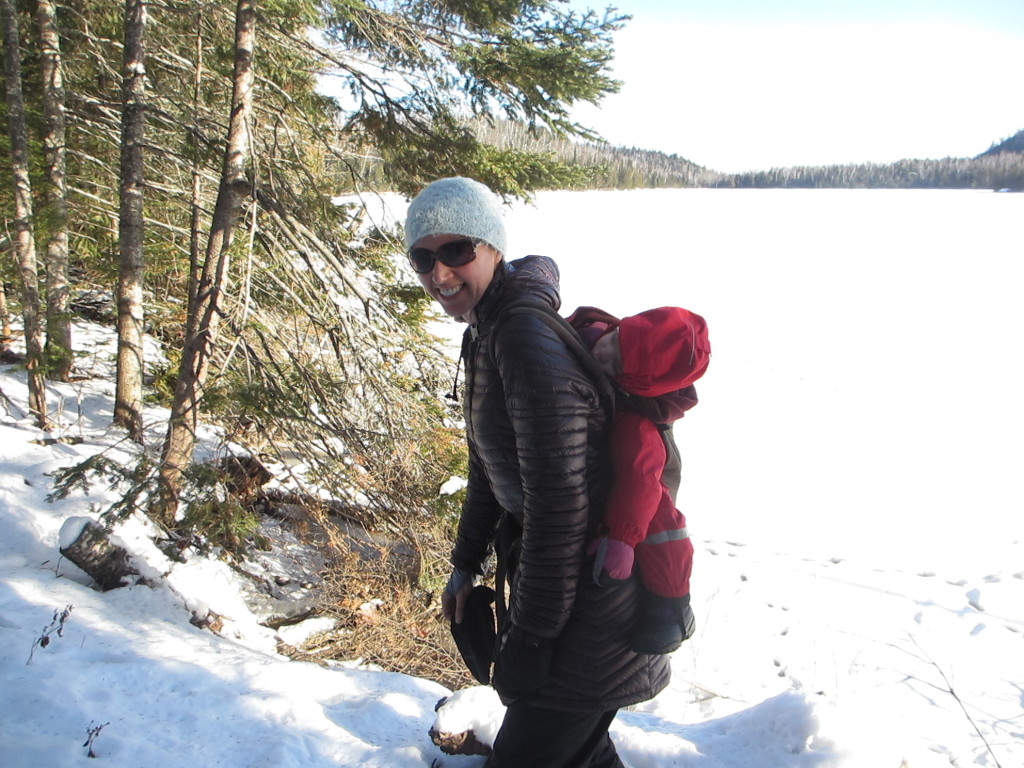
[{"x": 456, "y": 206}]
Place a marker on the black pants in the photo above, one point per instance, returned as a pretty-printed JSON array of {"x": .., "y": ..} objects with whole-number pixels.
[{"x": 533, "y": 737}]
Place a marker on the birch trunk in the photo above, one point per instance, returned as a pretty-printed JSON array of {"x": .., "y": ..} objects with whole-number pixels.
[
  {"x": 24, "y": 241},
  {"x": 128, "y": 397}
]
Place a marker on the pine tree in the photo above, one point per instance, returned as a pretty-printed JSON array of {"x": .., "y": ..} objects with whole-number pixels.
[
  {"x": 201, "y": 330},
  {"x": 58, "y": 321},
  {"x": 24, "y": 236},
  {"x": 314, "y": 311}
]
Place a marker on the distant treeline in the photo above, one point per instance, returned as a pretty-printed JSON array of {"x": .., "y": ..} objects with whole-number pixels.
[
  {"x": 607, "y": 167},
  {"x": 1003, "y": 171},
  {"x": 603, "y": 166}
]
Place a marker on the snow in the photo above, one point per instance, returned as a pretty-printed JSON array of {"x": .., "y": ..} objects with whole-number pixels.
[
  {"x": 71, "y": 529},
  {"x": 819, "y": 643},
  {"x": 453, "y": 485}
]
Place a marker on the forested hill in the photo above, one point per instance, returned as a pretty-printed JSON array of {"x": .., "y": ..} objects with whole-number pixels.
[
  {"x": 1000, "y": 167},
  {"x": 1013, "y": 144},
  {"x": 608, "y": 167},
  {"x": 603, "y": 166}
]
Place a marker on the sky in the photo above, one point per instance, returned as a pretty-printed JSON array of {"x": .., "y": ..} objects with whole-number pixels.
[
  {"x": 815, "y": 662},
  {"x": 737, "y": 85}
]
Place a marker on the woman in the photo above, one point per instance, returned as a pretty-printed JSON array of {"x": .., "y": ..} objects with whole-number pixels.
[{"x": 539, "y": 472}]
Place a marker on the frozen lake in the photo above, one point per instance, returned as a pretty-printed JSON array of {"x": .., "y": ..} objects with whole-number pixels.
[
  {"x": 864, "y": 395},
  {"x": 865, "y": 384}
]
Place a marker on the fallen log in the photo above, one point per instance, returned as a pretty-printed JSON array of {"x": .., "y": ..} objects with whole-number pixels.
[{"x": 89, "y": 545}]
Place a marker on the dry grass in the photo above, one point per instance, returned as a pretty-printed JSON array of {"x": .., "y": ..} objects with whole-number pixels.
[
  {"x": 403, "y": 635},
  {"x": 384, "y": 620}
]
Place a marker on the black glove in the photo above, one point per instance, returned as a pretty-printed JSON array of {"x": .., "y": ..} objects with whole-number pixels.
[
  {"x": 475, "y": 635},
  {"x": 523, "y": 664}
]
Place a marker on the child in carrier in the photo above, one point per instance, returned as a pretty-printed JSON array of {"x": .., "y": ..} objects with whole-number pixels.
[{"x": 653, "y": 358}]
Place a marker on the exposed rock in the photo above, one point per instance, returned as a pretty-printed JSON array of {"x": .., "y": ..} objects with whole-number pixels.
[
  {"x": 303, "y": 534},
  {"x": 397, "y": 556},
  {"x": 246, "y": 475},
  {"x": 284, "y": 584},
  {"x": 464, "y": 743},
  {"x": 95, "y": 305},
  {"x": 335, "y": 523}
]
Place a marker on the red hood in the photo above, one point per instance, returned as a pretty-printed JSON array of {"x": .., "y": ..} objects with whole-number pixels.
[{"x": 663, "y": 350}]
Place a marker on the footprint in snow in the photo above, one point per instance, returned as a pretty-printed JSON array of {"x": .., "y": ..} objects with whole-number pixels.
[{"x": 974, "y": 600}]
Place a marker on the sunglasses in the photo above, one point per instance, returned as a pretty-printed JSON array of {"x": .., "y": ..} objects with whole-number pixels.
[{"x": 457, "y": 253}]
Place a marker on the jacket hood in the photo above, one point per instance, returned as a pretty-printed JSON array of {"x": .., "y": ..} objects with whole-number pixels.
[
  {"x": 592, "y": 323},
  {"x": 663, "y": 350},
  {"x": 533, "y": 276}
]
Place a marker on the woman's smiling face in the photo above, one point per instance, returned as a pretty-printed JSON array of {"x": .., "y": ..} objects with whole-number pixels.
[{"x": 458, "y": 289}]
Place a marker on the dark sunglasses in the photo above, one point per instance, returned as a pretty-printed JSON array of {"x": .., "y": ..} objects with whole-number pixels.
[{"x": 457, "y": 253}]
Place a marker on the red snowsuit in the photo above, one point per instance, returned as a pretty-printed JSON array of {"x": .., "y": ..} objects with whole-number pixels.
[{"x": 663, "y": 352}]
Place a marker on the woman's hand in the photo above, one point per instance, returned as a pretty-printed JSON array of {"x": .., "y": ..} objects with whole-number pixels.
[{"x": 453, "y": 599}]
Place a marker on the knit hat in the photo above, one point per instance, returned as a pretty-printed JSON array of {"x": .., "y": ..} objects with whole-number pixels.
[{"x": 456, "y": 206}]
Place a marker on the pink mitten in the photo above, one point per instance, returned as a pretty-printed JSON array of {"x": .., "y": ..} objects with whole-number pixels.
[{"x": 614, "y": 556}]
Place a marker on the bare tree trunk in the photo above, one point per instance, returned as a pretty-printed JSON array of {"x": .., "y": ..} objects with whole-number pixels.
[
  {"x": 203, "y": 315},
  {"x": 197, "y": 176},
  {"x": 58, "y": 320},
  {"x": 5, "y": 321},
  {"x": 24, "y": 242},
  {"x": 128, "y": 398}
]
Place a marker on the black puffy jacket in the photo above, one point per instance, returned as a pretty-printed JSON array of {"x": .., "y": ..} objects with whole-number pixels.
[{"x": 538, "y": 451}]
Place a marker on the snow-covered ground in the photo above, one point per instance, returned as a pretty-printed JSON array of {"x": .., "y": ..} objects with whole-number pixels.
[{"x": 815, "y": 647}]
